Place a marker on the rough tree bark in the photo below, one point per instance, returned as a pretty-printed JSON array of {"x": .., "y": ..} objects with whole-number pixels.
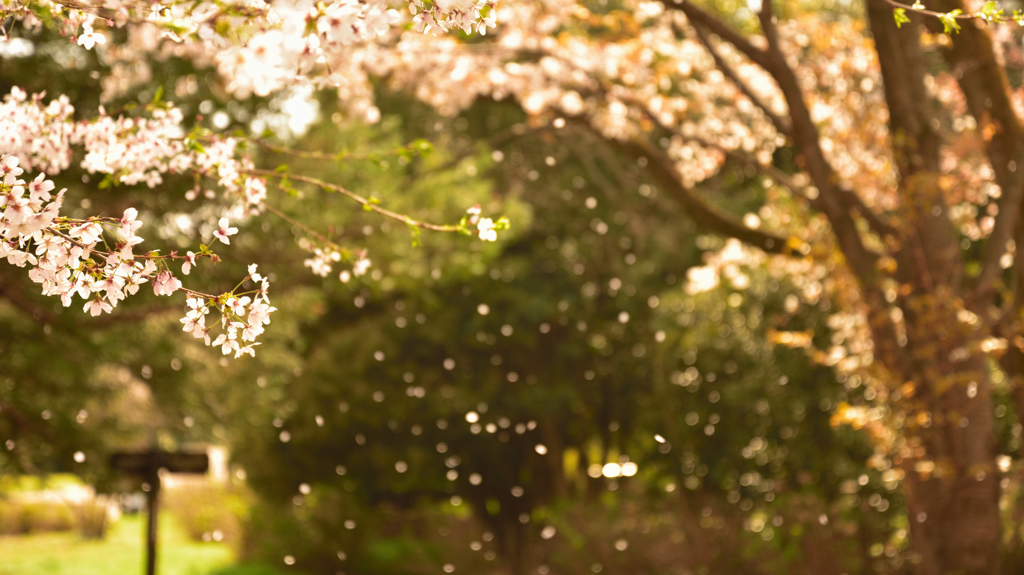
[{"x": 938, "y": 367}]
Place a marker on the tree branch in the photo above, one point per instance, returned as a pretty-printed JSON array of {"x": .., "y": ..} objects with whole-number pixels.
[
  {"x": 12, "y": 294},
  {"x": 1007, "y": 221},
  {"x": 367, "y": 204},
  {"x": 874, "y": 220},
  {"x": 704, "y": 213},
  {"x": 495, "y": 141},
  {"x": 700, "y": 17},
  {"x": 833, "y": 201},
  {"x": 972, "y": 58},
  {"x": 132, "y": 315},
  {"x": 780, "y": 123}
]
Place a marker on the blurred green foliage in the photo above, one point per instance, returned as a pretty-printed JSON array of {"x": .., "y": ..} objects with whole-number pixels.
[
  {"x": 457, "y": 406},
  {"x": 209, "y": 511}
]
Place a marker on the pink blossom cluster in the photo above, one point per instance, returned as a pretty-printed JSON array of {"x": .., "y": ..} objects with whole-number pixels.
[
  {"x": 39, "y": 134},
  {"x": 269, "y": 47},
  {"x": 65, "y": 258},
  {"x": 485, "y": 227},
  {"x": 326, "y": 254},
  {"x": 448, "y": 15},
  {"x": 346, "y": 22},
  {"x": 133, "y": 150},
  {"x": 219, "y": 162},
  {"x": 323, "y": 259},
  {"x": 257, "y": 47},
  {"x": 144, "y": 149},
  {"x": 545, "y": 57},
  {"x": 67, "y": 20},
  {"x": 233, "y": 308},
  {"x": 136, "y": 150},
  {"x": 330, "y": 44}
]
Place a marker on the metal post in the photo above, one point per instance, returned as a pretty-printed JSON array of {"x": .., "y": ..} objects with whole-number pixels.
[{"x": 151, "y": 502}]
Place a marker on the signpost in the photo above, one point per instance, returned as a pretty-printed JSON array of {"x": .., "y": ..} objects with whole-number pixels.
[{"x": 147, "y": 465}]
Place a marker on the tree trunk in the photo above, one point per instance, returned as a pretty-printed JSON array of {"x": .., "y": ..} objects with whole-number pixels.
[
  {"x": 951, "y": 483},
  {"x": 927, "y": 317}
]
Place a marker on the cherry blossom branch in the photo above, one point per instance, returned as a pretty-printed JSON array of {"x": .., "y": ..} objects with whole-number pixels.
[
  {"x": 13, "y": 294},
  {"x": 920, "y": 9},
  {"x": 277, "y": 212},
  {"x": 339, "y": 156},
  {"x": 62, "y": 261},
  {"x": 367, "y": 204},
  {"x": 194, "y": 293},
  {"x": 134, "y": 315},
  {"x": 701, "y": 17},
  {"x": 263, "y": 205},
  {"x": 849, "y": 197},
  {"x": 807, "y": 139},
  {"x": 302, "y": 153},
  {"x": 84, "y": 8},
  {"x": 704, "y": 213},
  {"x": 69, "y": 239},
  {"x": 495, "y": 141},
  {"x": 804, "y": 132},
  {"x": 989, "y": 12},
  {"x": 780, "y": 124}
]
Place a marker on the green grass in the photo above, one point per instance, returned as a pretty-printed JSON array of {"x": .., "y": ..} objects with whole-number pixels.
[{"x": 120, "y": 553}]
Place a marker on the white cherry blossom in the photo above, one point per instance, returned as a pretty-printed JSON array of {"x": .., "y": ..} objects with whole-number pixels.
[
  {"x": 223, "y": 231},
  {"x": 90, "y": 37},
  {"x": 487, "y": 230}
]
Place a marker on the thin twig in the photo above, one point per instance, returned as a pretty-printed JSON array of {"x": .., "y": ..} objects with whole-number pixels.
[
  {"x": 367, "y": 204},
  {"x": 780, "y": 124},
  {"x": 973, "y": 16},
  {"x": 700, "y": 16},
  {"x": 279, "y": 213}
]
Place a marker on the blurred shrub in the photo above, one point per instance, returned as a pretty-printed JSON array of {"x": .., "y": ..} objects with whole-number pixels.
[
  {"x": 678, "y": 532},
  {"x": 91, "y": 517},
  {"x": 18, "y": 517},
  {"x": 329, "y": 532},
  {"x": 55, "y": 502},
  {"x": 46, "y": 516},
  {"x": 10, "y": 518},
  {"x": 207, "y": 511}
]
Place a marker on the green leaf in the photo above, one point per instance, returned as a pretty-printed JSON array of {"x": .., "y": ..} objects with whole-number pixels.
[
  {"x": 107, "y": 182},
  {"x": 415, "y": 235},
  {"x": 422, "y": 146},
  {"x": 991, "y": 12},
  {"x": 288, "y": 188},
  {"x": 900, "y": 14},
  {"x": 949, "y": 23}
]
